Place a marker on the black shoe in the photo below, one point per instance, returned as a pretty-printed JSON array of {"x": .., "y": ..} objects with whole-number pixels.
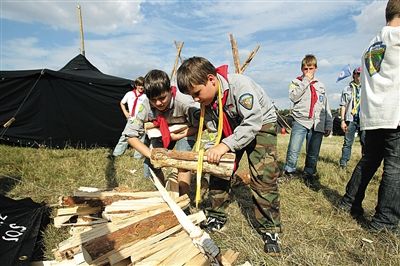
[
  {"x": 354, "y": 211},
  {"x": 311, "y": 181},
  {"x": 213, "y": 224},
  {"x": 271, "y": 244}
]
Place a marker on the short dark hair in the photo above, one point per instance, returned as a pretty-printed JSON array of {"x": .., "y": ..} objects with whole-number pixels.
[
  {"x": 194, "y": 71},
  {"x": 139, "y": 81},
  {"x": 156, "y": 82}
]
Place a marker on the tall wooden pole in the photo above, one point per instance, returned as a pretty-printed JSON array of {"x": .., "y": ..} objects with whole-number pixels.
[
  {"x": 178, "y": 56},
  {"x": 235, "y": 53},
  {"x": 81, "y": 30},
  {"x": 251, "y": 56}
]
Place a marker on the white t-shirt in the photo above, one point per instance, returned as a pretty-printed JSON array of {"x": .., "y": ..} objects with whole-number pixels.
[
  {"x": 380, "y": 95},
  {"x": 130, "y": 98}
]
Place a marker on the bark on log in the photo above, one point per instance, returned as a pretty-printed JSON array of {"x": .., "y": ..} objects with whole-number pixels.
[
  {"x": 188, "y": 160},
  {"x": 100, "y": 246}
]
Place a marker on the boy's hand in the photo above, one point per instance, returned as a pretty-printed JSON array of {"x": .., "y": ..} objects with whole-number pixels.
[
  {"x": 343, "y": 125},
  {"x": 309, "y": 75},
  {"x": 215, "y": 153},
  {"x": 327, "y": 133}
]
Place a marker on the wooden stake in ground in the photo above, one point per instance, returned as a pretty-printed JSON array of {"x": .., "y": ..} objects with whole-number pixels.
[
  {"x": 178, "y": 56},
  {"x": 235, "y": 52}
]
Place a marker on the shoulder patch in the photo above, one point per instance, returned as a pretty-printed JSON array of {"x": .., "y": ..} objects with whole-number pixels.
[
  {"x": 246, "y": 100},
  {"x": 293, "y": 85},
  {"x": 373, "y": 57}
]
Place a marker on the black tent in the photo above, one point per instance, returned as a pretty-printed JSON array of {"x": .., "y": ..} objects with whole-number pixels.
[{"x": 77, "y": 106}]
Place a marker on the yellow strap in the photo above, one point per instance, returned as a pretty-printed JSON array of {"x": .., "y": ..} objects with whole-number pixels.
[
  {"x": 198, "y": 142},
  {"x": 198, "y": 177}
]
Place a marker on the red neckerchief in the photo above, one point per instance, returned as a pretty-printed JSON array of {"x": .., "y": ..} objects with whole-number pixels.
[
  {"x": 135, "y": 101},
  {"x": 162, "y": 123},
  {"x": 314, "y": 97},
  {"x": 226, "y": 127}
]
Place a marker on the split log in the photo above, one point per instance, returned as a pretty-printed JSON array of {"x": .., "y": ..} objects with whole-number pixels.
[
  {"x": 107, "y": 194},
  {"x": 67, "y": 247},
  {"x": 155, "y": 132},
  {"x": 101, "y": 246},
  {"x": 182, "y": 202},
  {"x": 188, "y": 160},
  {"x": 144, "y": 248}
]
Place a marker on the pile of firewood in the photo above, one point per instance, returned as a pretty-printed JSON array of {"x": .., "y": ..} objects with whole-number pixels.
[{"x": 126, "y": 228}]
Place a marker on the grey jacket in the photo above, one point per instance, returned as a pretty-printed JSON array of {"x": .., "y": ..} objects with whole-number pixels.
[
  {"x": 300, "y": 95},
  {"x": 248, "y": 108},
  {"x": 180, "y": 106}
]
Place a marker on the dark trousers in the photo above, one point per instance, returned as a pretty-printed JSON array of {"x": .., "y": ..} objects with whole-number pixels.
[{"x": 380, "y": 144}]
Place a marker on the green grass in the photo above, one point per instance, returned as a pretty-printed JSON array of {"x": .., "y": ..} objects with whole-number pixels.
[{"x": 314, "y": 232}]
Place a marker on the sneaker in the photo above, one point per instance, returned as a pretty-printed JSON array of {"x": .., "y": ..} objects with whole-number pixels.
[
  {"x": 271, "y": 243},
  {"x": 213, "y": 224}
]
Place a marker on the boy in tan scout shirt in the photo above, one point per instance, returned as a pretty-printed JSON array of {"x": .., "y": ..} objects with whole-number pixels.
[{"x": 248, "y": 126}]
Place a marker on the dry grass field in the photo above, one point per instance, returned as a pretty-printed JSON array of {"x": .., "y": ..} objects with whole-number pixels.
[{"x": 315, "y": 233}]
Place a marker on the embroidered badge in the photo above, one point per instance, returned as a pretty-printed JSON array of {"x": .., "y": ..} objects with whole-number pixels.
[
  {"x": 246, "y": 100},
  {"x": 140, "y": 108},
  {"x": 373, "y": 57},
  {"x": 293, "y": 86},
  {"x": 321, "y": 98}
]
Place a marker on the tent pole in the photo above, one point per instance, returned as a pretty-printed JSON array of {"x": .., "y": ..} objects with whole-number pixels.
[{"x": 81, "y": 30}]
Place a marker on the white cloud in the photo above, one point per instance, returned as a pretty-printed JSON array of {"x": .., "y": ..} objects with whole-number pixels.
[
  {"x": 145, "y": 38},
  {"x": 100, "y": 17}
]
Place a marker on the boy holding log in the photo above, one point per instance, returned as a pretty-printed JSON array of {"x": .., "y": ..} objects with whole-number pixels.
[
  {"x": 249, "y": 121},
  {"x": 165, "y": 104}
]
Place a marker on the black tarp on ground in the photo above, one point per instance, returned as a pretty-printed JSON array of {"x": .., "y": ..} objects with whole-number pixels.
[
  {"x": 21, "y": 225},
  {"x": 77, "y": 106}
]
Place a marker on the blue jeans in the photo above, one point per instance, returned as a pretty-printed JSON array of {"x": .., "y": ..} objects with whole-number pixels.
[
  {"x": 380, "y": 144},
  {"x": 313, "y": 145},
  {"x": 184, "y": 144},
  {"x": 121, "y": 146},
  {"x": 352, "y": 128}
]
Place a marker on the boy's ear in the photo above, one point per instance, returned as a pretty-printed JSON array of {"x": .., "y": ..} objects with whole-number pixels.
[{"x": 211, "y": 78}]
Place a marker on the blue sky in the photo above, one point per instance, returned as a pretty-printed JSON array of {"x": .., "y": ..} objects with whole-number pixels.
[{"x": 129, "y": 38}]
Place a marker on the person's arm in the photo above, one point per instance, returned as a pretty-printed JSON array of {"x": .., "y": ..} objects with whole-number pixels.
[
  {"x": 124, "y": 109},
  {"x": 328, "y": 118},
  {"x": 343, "y": 124},
  {"x": 138, "y": 145},
  {"x": 298, "y": 88},
  {"x": 344, "y": 102}
]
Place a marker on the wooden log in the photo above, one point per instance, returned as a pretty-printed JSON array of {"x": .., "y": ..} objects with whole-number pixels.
[
  {"x": 78, "y": 210},
  {"x": 142, "y": 249},
  {"x": 188, "y": 160},
  {"x": 163, "y": 254},
  {"x": 178, "y": 56},
  {"x": 248, "y": 60},
  {"x": 106, "y": 194},
  {"x": 198, "y": 260},
  {"x": 183, "y": 201},
  {"x": 99, "y": 247},
  {"x": 154, "y": 132},
  {"x": 235, "y": 53},
  {"x": 66, "y": 247}
]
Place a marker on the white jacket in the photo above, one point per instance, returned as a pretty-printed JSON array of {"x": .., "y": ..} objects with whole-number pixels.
[{"x": 380, "y": 97}]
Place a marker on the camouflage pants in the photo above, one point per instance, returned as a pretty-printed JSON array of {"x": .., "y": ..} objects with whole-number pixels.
[{"x": 264, "y": 171}]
